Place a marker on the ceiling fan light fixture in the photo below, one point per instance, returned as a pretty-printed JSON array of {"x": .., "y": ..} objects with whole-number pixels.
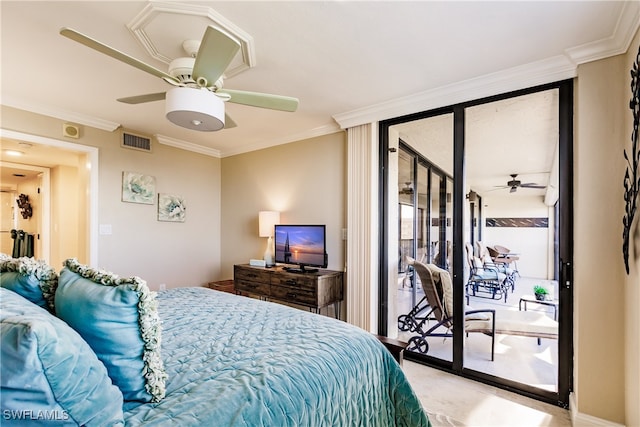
[{"x": 195, "y": 109}]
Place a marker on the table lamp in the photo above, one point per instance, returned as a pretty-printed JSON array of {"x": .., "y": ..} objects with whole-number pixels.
[{"x": 266, "y": 223}]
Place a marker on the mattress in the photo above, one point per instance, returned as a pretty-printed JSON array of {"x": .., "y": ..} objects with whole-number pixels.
[{"x": 237, "y": 361}]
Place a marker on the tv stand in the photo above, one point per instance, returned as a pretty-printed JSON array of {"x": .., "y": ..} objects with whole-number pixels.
[
  {"x": 313, "y": 290},
  {"x": 300, "y": 270}
]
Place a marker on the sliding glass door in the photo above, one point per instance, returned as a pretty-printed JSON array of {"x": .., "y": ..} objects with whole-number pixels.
[{"x": 476, "y": 188}]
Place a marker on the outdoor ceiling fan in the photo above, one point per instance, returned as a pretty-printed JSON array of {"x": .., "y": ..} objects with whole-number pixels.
[
  {"x": 407, "y": 189},
  {"x": 197, "y": 98},
  {"x": 514, "y": 184}
]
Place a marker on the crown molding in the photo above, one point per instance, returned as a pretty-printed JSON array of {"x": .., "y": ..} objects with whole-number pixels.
[
  {"x": 189, "y": 146},
  {"x": 327, "y": 129},
  {"x": 616, "y": 44},
  {"x": 524, "y": 76},
  {"x": 546, "y": 71},
  {"x": 67, "y": 116}
]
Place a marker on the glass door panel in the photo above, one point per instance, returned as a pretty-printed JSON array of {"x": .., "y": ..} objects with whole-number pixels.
[
  {"x": 406, "y": 228},
  {"x": 514, "y": 182},
  {"x": 422, "y": 203},
  {"x": 424, "y": 227}
]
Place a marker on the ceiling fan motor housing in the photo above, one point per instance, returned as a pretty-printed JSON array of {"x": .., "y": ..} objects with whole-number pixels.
[{"x": 181, "y": 68}]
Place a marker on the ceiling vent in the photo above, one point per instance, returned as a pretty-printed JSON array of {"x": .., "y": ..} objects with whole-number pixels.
[{"x": 135, "y": 141}]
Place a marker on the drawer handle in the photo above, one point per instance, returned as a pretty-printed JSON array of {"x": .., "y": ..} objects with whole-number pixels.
[
  {"x": 293, "y": 282},
  {"x": 252, "y": 275},
  {"x": 292, "y": 295}
]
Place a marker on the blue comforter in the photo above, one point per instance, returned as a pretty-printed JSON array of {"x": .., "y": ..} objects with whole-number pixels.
[{"x": 236, "y": 361}]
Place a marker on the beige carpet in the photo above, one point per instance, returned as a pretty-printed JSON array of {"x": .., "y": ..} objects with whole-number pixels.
[{"x": 439, "y": 420}]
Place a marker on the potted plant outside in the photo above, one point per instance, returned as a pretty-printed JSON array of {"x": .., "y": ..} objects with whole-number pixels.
[{"x": 540, "y": 292}]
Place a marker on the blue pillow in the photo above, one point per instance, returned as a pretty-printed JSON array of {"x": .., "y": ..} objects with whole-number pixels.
[
  {"x": 33, "y": 279},
  {"x": 118, "y": 318},
  {"x": 49, "y": 373}
]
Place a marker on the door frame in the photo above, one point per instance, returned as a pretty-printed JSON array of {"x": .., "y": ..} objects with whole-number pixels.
[
  {"x": 565, "y": 242},
  {"x": 92, "y": 154}
]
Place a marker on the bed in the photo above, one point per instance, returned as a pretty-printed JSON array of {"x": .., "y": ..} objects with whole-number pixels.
[{"x": 234, "y": 361}]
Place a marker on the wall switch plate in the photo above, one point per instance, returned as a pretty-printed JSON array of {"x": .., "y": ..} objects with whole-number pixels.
[{"x": 105, "y": 229}]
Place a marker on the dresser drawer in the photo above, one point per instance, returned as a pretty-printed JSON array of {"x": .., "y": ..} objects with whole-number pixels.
[
  {"x": 252, "y": 274},
  {"x": 295, "y": 281},
  {"x": 251, "y": 287},
  {"x": 294, "y": 295}
]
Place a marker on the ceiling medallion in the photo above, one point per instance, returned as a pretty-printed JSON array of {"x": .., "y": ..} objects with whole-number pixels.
[{"x": 156, "y": 11}]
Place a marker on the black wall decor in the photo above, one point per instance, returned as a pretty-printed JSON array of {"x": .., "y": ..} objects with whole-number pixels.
[
  {"x": 631, "y": 175},
  {"x": 25, "y": 207}
]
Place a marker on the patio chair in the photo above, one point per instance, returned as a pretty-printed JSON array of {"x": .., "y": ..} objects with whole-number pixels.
[
  {"x": 485, "y": 278},
  {"x": 501, "y": 255},
  {"x": 483, "y": 253},
  {"x": 438, "y": 290}
]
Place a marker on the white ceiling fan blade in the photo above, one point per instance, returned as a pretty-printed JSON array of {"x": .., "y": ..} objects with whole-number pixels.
[
  {"x": 262, "y": 100},
  {"x": 228, "y": 122},
  {"x": 216, "y": 52},
  {"x": 116, "y": 54},
  {"x": 140, "y": 99}
]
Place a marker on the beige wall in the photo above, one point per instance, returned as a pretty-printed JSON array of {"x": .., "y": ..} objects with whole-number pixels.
[
  {"x": 531, "y": 243},
  {"x": 305, "y": 181},
  {"x": 606, "y": 345},
  {"x": 177, "y": 254}
]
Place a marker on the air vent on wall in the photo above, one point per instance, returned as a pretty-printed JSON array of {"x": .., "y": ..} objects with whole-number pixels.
[{"x": 135, "y": 141}]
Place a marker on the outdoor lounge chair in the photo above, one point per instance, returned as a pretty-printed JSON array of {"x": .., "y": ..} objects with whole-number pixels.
[
  {"x": 486, "y": 278},
  {"x": 438, "y": 290},
  {"x": 503, "y": 265},
  {"x": 436, "y": 284},
  {"x": 501, "y": 255}
]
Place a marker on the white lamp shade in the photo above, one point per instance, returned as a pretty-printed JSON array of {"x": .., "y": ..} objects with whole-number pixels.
[
  {"x": 266, "y": 222},
  {"x": 196, "y": 109}
]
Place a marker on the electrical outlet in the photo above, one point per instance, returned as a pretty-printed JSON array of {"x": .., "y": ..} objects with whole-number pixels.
[{"x": 162, "y": 287}]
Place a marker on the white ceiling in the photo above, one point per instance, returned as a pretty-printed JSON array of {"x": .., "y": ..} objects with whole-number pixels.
[
  {"x": 516, "y": 135},
  {"x": 348, "y": 62}
]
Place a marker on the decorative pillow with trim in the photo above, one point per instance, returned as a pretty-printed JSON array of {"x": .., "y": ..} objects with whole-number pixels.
[
  {"x": 33, "y": 279},
  {"x": 119, "y": 319},
  {"x": 49, "y": 374}
]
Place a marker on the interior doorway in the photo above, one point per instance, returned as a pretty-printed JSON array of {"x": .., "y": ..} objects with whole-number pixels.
[
  {"x": 25, "y": 210},
  {"x": 489, "y": 173},
  {"x": 69, "y": 209}
]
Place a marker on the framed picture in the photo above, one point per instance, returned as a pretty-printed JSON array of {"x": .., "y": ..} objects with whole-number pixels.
[
  {"x": 171, "y": 208},
  {"x": 138, "y": 188}
]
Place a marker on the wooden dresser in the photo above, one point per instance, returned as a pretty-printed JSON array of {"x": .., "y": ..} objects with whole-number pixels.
[{"x": 314, "y": 290}]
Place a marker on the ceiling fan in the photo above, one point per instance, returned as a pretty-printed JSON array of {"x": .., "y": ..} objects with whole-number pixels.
[
  {"x": 197, "y": 98},
  {"x": 514, "y": 184},
  {"x": 407, "y": 189}
]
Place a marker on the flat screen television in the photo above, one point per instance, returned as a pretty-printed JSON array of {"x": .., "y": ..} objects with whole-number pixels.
[{"x": 301, "y": 246}]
